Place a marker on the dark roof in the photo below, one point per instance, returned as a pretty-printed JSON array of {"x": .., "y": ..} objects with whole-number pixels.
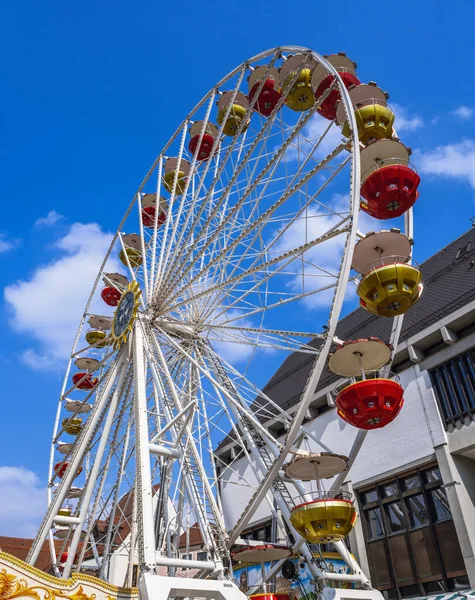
[{"x": 449, "y": 283}]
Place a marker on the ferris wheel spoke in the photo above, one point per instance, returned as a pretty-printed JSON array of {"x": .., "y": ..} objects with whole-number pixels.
[
  {"x": 83, "y": 505},
  {"x": 291, "y": 255},
  {"x": 271, "y": 339},
  {"x": 239, "y": 238},
  {"x": 220, "y": 133},
  {"x": 194, "y": 464},
  {"x": 271, "y": 164},
  {"x": 155, "y": 234},
  {"x": 91, "y": 521},
  {"x": 168, "y": 242},
  {"x": 282, "y": 302},
  {"x": 235, "y": 432},
  {"x": 289, "y": 221},
  {"x": 180, "y": 245},
  {"x": 292, "y": 220},
  {"x": 258, "y": 401},
  {"x": 238, "y": 405}
]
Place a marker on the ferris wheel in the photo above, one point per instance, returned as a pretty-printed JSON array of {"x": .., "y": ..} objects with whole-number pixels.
[{"x": 240, "y": 247}]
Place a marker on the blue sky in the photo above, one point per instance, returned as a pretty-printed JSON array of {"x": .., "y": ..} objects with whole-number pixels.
[{"x": 91, "y": 92}]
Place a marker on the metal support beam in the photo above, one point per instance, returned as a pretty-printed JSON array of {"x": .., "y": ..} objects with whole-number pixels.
[
  {"x": 166, "y": 561},
  {"x": 91, "y": 480},
  {"x": 189, "y": 407},
  {"x": 163, "y": 451},
  {"x": 81, "y": 446},
  {"x": 143, "y": 483}
]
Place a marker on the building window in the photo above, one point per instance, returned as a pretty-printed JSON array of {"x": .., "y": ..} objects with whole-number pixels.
[
  {"x": 454, "y": 385},
  {"x": 202, "y": 556},
  {"x": 412, "y": 545},
  {"x": 260, "y": 534},
  {"x": 135, "y": 575}
]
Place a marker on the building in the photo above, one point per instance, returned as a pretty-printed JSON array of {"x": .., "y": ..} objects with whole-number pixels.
[{"x": 414, "y": 480}]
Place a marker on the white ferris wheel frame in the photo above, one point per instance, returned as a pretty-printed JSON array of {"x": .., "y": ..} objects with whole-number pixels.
[{"x": 141, "y": 344}]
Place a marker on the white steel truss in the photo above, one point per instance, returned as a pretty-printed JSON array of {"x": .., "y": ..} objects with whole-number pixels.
[{"x": 268, "y": 223}]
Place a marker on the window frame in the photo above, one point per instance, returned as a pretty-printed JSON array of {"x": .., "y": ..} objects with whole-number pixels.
[
  {"x": 401, "y": 495},
  {"x": 453, "y": 382}
]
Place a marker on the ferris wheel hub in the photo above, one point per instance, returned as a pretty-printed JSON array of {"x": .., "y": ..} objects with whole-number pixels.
[{"x": 176, "y": 329}]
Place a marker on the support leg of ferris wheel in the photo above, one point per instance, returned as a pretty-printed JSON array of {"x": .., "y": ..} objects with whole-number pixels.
[
  {"x": 358, "y": 574},
  {"x": 143, "y": 485},
  {"x": 159, "y": 587},
  {"x": 260, "y": 471},
  {"x": 76, "y": 460},
  {"x": 209, "y": 541},
  {"x": 92, "y": 479}
]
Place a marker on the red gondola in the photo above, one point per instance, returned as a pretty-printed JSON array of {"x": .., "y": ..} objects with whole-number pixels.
[
  {"x": 371, "y": 403},
  {"x": 84, "y": 381},
  {"x": 148, "y": 216},
  {"x": 327, "y": 108},
  {"x": 268, "y": 97},
  {"x": 390, "y": 191},
  {"x": 111, "y": 295},
  {"x": 61, "y": 467}
]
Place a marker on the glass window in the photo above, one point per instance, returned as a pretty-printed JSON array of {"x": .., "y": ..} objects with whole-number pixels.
[
  {"x": 395, "y": 517},
  {"x": 434, "y": 587},
  {"x": 454, "y": 385},
  {"x": 370, "y": 496},
  {"x": 389, "y": 489},
  {"x": 381, "y": 570},
  {"x": 426, "y": 554},
  {"x": 432, "y": 475},
  {"x": 202, "y": 556},
  {"x": 413, "y": 549},
  {"x": 400, "y": 556},
  {"x": 450, "y": 549},
  {"x": 410, "y": 591},
  {"x": 439, "y": 505},
  {"x": 375, "y": 523},
  {"x": 411, "y": 483},
  {"x": 416, "y": 508}
]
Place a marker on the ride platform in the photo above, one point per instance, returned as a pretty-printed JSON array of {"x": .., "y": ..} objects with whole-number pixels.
[{"x": 20, "y": 580}]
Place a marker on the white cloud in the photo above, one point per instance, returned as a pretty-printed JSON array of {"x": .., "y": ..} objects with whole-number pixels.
[
  {"x": 463, "y": 112},
  {"x": 234, "y": 352},
  {"x": 6, "y": 245},
  {"x": 49, "y": 305},
  {"x": 404, "y": 121},
  {"x": 456, "y": 161},
  {"x": 37, "y": 362},
  {"x": 23, "y": 502},
  {"x": 322, "y": 262},
  {"x": 51, "y": 219}
]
